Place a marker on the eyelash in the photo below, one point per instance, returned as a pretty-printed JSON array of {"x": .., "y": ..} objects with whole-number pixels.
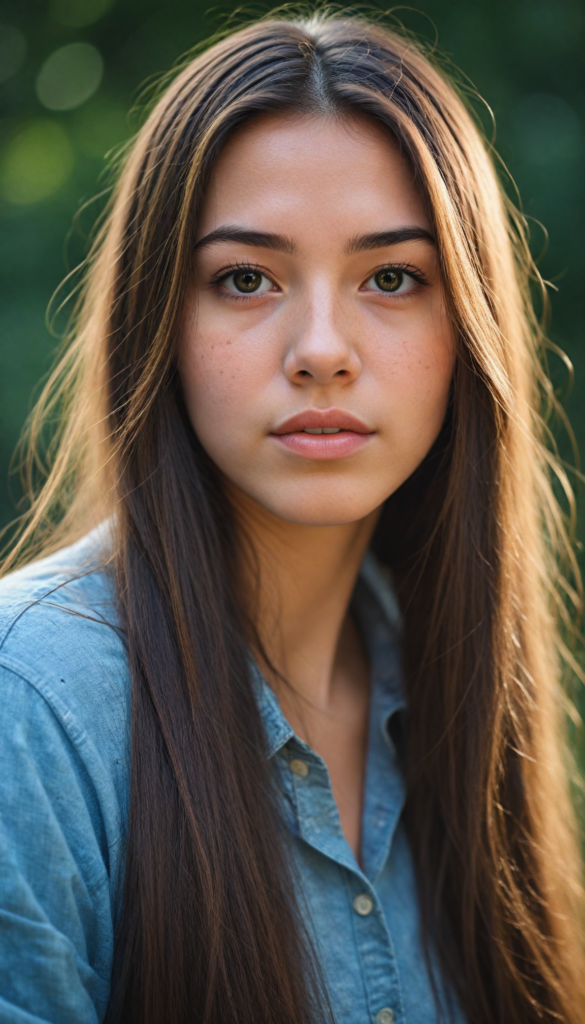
[
  {"x": 406, "y": 268},
  {"x": 233, "y": 268}
]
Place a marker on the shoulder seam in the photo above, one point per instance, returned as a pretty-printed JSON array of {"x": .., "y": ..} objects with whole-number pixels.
[
  {"x": 77, "y": 735},
  {"x": 43, "y": 595}
]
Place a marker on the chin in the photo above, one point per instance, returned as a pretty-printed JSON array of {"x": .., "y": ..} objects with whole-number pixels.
[{"x": 322, "y": 509}]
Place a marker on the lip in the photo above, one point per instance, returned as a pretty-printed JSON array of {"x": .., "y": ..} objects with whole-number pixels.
[
  {"x": 354, "y": 434},
  {"x": 313, "y": 418}
]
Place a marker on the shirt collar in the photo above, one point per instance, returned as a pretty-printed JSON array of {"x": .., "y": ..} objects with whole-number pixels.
[{"x": 376, "y": 610}]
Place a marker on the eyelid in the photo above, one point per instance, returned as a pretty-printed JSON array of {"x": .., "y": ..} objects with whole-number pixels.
[
  {"x": 407, "y": 268},
  {"x": 415, "y": 273},
  {"x": 233, "y": 268}
]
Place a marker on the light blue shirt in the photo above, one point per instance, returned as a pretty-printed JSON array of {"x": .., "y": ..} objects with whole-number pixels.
[{"x": 64, "y": 785}]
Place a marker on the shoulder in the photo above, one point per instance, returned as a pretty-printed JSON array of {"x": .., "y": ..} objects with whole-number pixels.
[
  {"x": 73, "y": 577},
  {"x": 64, "y": 783},
  {"x": 63, "y": 656}
]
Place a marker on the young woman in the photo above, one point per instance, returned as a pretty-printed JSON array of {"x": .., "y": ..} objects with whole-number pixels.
[{"x": 281, "y": 729}]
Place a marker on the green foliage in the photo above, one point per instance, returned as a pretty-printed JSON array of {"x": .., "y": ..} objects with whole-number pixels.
[{"x": 71, "y": 70}]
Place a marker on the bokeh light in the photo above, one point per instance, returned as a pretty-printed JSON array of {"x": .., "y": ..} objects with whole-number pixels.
[
  {"x": 12, "y": 51},
  {"x": 37, "y": 162},
  {"x": 70, "y": 76},
  {"x": 79, "y": 13}
]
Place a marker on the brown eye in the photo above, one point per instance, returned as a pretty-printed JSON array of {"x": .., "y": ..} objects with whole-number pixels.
[
  {"x": 389, "y": 280},
  {"x": 247, "y": 280}
]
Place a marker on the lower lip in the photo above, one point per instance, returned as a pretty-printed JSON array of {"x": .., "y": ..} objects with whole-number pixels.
[{"x": 323, "y": 446}]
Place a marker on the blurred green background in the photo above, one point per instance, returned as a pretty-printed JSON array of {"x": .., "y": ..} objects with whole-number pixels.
[{"x": 71, "y": 70}]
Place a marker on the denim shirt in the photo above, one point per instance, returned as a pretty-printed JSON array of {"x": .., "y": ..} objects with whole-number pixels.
[{"x": 64, "y": 787}]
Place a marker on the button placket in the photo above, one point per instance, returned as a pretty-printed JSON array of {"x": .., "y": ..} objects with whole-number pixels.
[
  {"x": 378, "y": 960},
  {"x": 385, "y": 1016},
  {"x": 363, "y": 904},
  {"x": 376, "y": 997},
  {"x": 319, "y": 826}
]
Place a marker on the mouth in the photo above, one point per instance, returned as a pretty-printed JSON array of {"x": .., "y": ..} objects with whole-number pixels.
[{"x": 323, "y": 433}]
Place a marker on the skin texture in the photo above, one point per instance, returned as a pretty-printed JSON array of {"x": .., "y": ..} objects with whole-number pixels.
[{"x": 318, "y": 334}]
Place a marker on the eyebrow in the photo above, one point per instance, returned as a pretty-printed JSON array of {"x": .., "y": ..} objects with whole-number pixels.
[
  {"x": 280, "y": 243},
  {"x": 260, "y": 239},
  {"x": 380, "y": 239}
]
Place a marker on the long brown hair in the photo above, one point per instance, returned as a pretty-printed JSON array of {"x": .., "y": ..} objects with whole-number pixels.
[{"x": 209, "y": 929}]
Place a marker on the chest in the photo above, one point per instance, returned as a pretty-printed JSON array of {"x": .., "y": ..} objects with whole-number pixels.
[
  {"x": 337, "y": 731},
  {"x": 363, "y": 918},
  {"x": 341, "y": 740}
]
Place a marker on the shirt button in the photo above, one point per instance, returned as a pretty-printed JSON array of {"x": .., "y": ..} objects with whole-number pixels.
[
  {"x": 299, "y": 768},
  {"x": 363, "y": 905},
  {"x": 385, "y": 1016}
]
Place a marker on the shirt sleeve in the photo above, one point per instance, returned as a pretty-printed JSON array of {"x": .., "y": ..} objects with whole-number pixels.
[{"x": 56, "y": 932}]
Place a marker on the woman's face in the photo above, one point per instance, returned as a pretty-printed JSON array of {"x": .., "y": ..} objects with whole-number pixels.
[{"x": 317, "y": 353}]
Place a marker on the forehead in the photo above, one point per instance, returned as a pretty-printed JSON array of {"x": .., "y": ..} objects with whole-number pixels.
[{"x": 307, "y": 170}]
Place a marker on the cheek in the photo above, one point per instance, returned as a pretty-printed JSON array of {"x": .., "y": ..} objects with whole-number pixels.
[
  {"x": 425, "y": 376},
  {"x": 417, "y": 374},
  {"x": 221, "y": 379}
]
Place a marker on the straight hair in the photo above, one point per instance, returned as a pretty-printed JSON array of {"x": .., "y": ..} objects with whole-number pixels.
[{"x": 210, "y": 929}]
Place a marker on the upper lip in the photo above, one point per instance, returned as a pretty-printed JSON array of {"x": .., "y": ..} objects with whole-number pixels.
[{"x": 313, "y": 418}]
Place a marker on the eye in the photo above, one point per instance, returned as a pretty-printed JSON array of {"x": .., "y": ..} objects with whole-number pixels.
[
  {"x": 246, "y": 281},
  {"x": 391, "y": 280}
]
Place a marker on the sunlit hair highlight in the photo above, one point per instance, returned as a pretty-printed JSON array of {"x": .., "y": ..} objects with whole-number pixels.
[{"x": 474, "y": 540}]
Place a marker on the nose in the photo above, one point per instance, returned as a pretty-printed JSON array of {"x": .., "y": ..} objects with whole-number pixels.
[{"x": 321, "y": 350}]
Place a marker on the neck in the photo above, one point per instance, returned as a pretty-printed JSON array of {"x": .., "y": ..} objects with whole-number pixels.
[{"x": 302, "y": 580}]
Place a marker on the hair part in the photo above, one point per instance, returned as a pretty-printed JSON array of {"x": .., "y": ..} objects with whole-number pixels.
[{"x": 209, "y": 925}]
